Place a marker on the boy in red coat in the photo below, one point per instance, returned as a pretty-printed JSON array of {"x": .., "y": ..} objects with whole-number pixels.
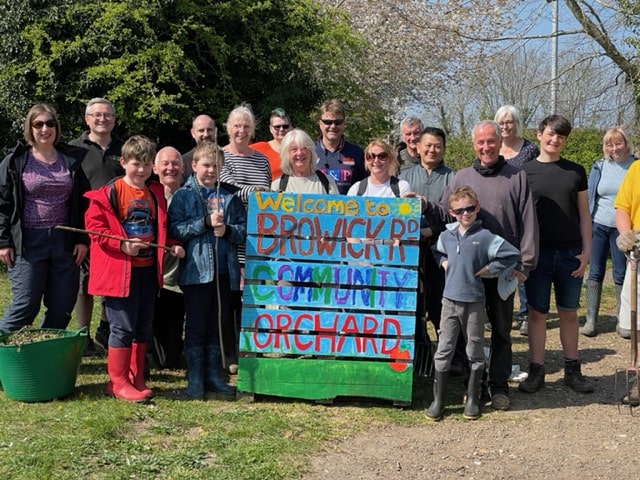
[{"x": 128, "y": 273}]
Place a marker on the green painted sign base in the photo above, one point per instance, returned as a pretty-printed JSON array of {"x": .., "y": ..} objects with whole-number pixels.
[{"x": 314, "y": 379}]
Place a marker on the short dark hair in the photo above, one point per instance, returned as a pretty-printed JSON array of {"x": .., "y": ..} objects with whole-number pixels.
[
  {"x": 557, "y": 123},
  {"x": 436, "y": 132}
]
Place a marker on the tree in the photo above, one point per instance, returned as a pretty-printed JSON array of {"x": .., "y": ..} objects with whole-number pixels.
[{"x": 162, "y": 61}]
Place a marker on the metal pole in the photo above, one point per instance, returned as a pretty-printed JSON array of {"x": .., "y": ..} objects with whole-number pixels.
[{"x": 554, "y": 56}]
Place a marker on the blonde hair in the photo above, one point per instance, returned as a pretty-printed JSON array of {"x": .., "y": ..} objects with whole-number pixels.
[
  {"x": 208, "y": 150},
  {"x": 465, "y": 191},
  {"x": 302, "y": 140},
  {"x": 613, "y": 134},
  {"x": 394, "y": 167}
]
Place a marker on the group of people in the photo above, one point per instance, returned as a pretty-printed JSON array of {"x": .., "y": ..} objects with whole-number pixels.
[{"x": 170, "y": 254}]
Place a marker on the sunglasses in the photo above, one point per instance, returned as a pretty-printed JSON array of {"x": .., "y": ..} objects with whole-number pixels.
[
  {"x": 373, "y": 156},
  {"x": 51, "y": 123},
  {"x": 337, "y": 122},
  {"x": 284, "y": 126},
  {"x": 460, "y": 211}
]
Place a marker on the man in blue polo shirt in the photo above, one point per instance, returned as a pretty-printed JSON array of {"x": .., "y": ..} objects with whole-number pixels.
[{"x": 342, "y": 160}]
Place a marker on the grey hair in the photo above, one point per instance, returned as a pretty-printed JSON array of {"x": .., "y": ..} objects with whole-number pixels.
[
  {"x": 411, "y": 120},
  {"x": 301, "y": 139},
  {"x": 98, "y": 100},
  {"x": 485, "y": 123},
  {"x": 505, "y": 110}
]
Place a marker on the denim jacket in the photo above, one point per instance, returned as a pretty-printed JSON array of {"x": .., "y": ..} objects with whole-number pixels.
[{"x": 188, "y": 223}]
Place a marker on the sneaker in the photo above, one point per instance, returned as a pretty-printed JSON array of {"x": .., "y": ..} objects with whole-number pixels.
[
  {"x": 623, "y": 332},
  {"x": 574, "y": 379},
  {"x": 500, "y": 401},
  {"x": 524, "y": 328}
]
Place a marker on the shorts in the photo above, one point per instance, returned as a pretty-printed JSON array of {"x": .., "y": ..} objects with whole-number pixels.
[{"x": 554, "y": 268}]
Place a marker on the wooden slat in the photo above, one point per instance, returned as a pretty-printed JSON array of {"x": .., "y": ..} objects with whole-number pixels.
[{"x": 323, "y": 379}]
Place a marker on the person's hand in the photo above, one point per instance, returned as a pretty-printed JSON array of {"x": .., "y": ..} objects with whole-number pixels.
[
  {"x": 627, "y": 241},
  {"x": 80, "y": 252},
  {"x": 177, "y": 251},
  {"x": 584, "y": 260},
  {"x": 217, "y": 222},
  {"x": 7, "y": 256},
  {"x": 521, "y": 276},
  {"x": 133, "y": 247}
]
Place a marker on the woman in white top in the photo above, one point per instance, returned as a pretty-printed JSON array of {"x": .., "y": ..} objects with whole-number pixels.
[
  {"x": 298, "y": 160},
  {"x": 382, "y": 164}
]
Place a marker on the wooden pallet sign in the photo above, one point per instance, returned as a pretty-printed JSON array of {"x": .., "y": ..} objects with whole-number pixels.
[{"x": 329, "y": 297}]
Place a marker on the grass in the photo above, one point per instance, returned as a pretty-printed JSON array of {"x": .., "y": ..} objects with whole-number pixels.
[{"x": 91, "y": 436}]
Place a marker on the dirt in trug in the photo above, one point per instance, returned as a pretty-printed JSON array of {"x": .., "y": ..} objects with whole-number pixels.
[{"x": 554, "y": 433}]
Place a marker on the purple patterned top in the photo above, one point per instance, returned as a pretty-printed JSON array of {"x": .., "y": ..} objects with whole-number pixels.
[
  {"x": 47, "y": 189},
  {"x": 527, "y": 153}
]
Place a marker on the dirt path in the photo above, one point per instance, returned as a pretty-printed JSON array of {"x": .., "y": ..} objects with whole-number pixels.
[{"x": 554, "y": 433}]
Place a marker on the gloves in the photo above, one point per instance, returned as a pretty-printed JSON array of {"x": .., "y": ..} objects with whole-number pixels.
[{"x": 628, "y": 240}]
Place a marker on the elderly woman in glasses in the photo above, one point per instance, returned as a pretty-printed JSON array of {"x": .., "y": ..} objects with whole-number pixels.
[
  {"x": 41, "y": 187},
  {"x": 516, "y": 151},
  {"x": 298, "y": 164},
  {"x": 279, "y": 125},
  {"x": 381, "y": 163}
]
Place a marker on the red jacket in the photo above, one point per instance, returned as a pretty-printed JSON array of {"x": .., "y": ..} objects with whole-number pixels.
[{"x": 110, "y": 268}]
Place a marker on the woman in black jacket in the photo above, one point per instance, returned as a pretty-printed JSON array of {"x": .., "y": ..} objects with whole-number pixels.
[{"x": 42, "y": 186}]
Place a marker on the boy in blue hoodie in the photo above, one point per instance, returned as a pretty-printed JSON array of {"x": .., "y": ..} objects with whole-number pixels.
[{"x": 467, "y": 252}]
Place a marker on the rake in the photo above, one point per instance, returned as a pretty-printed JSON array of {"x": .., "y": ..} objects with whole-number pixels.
[{"x": 631, "y": 373}]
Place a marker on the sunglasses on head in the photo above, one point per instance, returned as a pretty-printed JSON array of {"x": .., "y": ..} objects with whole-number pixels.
[
  {"x": 51, "y": 123},
  {"x": 337, "y": 122},
  {"x": 468, "y": 209},
  {"x": 373, "y": 156}
]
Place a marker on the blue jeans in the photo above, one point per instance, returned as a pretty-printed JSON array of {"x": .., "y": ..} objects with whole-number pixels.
[
  {"x": 45, "y": 273},
  {"x": 554, "y": 268},
  {"x": 604, "y": 242},
  {"x": 130, "y": 318}
]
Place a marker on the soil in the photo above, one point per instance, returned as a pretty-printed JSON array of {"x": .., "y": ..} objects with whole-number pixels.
[{"x": 554, "y": 433}]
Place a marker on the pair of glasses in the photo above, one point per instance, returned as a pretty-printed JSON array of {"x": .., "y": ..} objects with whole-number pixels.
[
  {"x": 98, "y": 116},
  {"x": 382, "y": 156},
  {"x": 337, "y": 122},
  {"x": 460, "y": 211},
  {"x": 284, "y": 126},
  {"x": 51, "y": 123}
]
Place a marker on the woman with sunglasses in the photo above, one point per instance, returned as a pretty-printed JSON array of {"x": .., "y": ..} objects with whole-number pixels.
[
  {"x": 382, "y": 164},
  {"x": 279, "y": 125},
  {"x": 41, "y": 187}
]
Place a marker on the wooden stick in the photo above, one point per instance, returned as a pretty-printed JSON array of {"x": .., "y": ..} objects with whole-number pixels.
[{"x": 114, "y": 237}]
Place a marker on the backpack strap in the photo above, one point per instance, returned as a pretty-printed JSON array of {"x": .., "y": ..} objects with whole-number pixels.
[
  {"x": 323, "y": 180},
  {"x": 362, "y": 186},
  {"x": 394, "y": 183},
  {"x": 284, "y": 180}
]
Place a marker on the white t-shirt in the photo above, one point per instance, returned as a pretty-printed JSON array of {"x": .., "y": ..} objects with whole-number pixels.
[{"x": 382, "y": 190}]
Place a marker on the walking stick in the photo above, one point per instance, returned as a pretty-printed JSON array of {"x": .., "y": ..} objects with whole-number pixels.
[
  {"x": 632, "y": 372},
  {"x": 114, "y": 237}
]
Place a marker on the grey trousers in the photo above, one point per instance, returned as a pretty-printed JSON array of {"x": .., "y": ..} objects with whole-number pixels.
[{"x": 465, "y": 317}]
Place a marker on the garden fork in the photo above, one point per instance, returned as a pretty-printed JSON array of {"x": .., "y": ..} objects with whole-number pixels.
[{"x": 632, "y": 372}]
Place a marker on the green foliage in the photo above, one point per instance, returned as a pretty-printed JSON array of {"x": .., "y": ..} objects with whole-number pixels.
[{"x": 162, "y": 61}]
